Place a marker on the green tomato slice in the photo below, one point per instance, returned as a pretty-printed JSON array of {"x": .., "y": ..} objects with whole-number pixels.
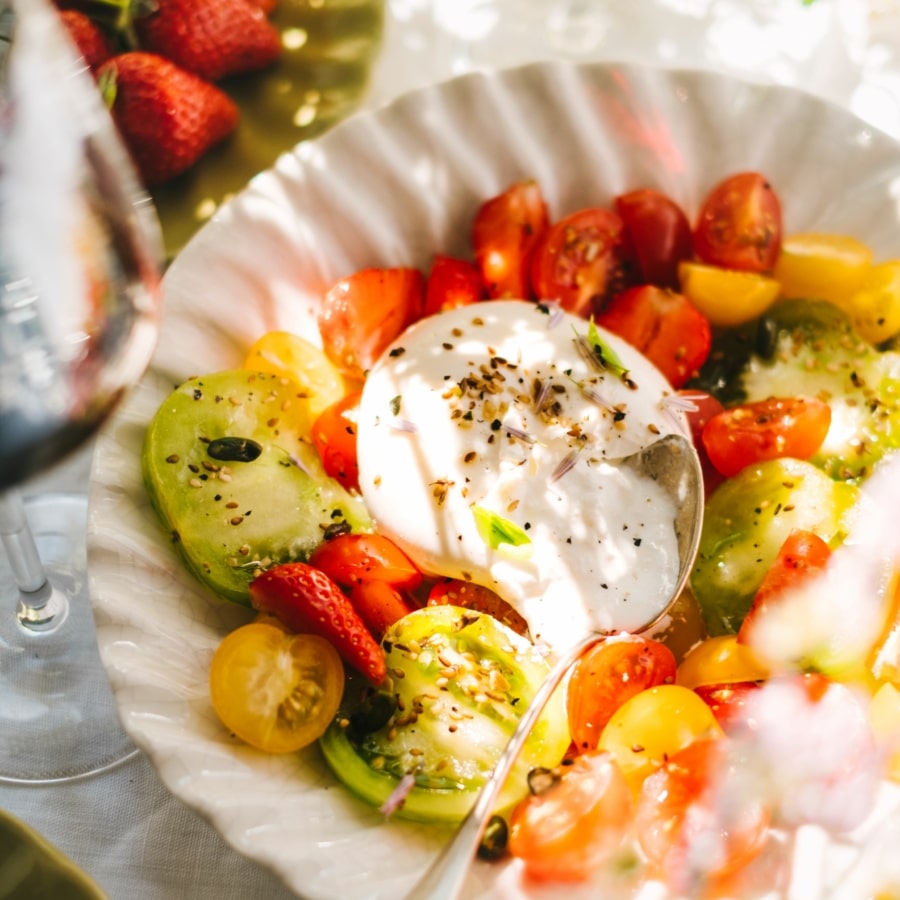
[
  {"x": 745, "y": 523},
  {"x": 460, "y": 680}
]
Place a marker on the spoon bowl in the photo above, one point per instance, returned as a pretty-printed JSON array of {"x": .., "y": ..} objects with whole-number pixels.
[{"x": 672, "y": 463}]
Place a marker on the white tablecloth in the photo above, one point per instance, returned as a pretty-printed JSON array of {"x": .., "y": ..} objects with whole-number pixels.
[{"x": 124, "y": 828}]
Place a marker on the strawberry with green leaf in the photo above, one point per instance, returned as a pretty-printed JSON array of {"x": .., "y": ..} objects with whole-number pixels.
[{"x": 168, "y": 117}]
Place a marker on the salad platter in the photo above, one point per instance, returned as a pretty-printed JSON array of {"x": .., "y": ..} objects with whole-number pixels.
[{"x": 392, "y": 188}]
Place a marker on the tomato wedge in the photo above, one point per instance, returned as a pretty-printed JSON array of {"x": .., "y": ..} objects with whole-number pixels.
[
  {"x": 379, "y": 605},
  {"x": 580, "y": 261},
  {"x": 664, "y": 325},
  {"x": 334, "y": 437},
  {"x": 739, "y": 225},
  {"x": 468, "y": 595},
  {"x": 276, "y": 690},
  {"x": 364, "y": 312},
  {"x": 504, "y": 233},
  {"x": 452, "y": 282},
  {"x": 767, "y": 429},
  {"x": 351, "y": 559},
  {"x": 658, "y": 235}
]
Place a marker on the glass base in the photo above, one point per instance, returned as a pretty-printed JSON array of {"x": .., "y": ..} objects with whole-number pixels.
[{"x": 58, "y": 719}]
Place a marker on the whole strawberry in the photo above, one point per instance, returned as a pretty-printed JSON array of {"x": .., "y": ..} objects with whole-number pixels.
[
  {"x": 94, "y": 45},
  {"x": 167, "y": 117},
  {"x": 307, "y": 600},
  {"x": 212, "y": 38}
]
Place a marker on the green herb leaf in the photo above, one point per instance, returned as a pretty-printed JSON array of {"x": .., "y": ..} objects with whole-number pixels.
[
  {"x": 495, "y": 530},
  {"x": 604, "y": 353}
]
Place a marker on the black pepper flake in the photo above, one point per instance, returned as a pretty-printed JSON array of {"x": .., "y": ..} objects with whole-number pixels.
[
  {"x": 637, "y": 542},
  {"x": 198, "y": 394},
  {"x": 496, "y": 425},
  {"x": 395, "y": 405},
  {"x": 397, "y": 351},
  {"x": 618, "y": 415}
]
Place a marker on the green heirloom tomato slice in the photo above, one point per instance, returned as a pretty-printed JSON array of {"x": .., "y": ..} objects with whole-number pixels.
[
  {"x": 233, "y": 481},
  {"x": 745, "y": 523},
  {"x": 460, "y": 680}
]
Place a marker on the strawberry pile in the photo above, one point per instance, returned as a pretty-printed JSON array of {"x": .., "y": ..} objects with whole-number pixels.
[{"x": 158, "y": 62}]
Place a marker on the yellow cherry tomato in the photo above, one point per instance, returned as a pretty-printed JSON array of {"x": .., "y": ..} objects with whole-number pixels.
[
  {"x": 653, "y": 726},
  {"x": 822, "y": 266},
  {"x": 720, "y": 660},
  {"x": 290, "y": 356},
  {"x": 727, "y": 297},
  {"x": 874, "y": 309},
  {"x": 275, "y": 690}
]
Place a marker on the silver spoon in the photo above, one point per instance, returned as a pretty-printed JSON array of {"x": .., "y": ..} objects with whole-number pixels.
[{"x": 672, "y": 462}]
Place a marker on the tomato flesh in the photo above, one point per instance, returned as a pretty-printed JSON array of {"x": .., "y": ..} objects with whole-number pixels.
[
  {"x": 664, "y": 325},
  {"x": 739, "y": 225},
  {"x": 720, "y": 660},
  {"x": 608, "y": 675},
  {"x": 276, "y": 691},
  {"x": 334, "y": 437},
  {"x": 768, "y": 429},
  {"x": 505, "y": 231},
  {"x": 363, "y": 313},
  {"x": 568, "y": 831},
  {"x": 451, "y": 283},
  {"x": 468, "y": 595},
  {"x": 352, "y": 559},
  {"x": 579, "y": 261}
]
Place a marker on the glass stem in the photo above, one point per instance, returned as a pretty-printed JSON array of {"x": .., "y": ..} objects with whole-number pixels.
[{"x": 21, "y": 550}]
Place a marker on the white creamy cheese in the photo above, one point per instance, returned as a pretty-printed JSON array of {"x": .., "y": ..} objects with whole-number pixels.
[{"x": 494, "y": 410}]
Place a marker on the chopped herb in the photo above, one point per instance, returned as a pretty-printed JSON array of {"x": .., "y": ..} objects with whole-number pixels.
[
  {"x": 605, "y": 354},
  {"x": 395, "y": 405},
  {"x": 495, "y": 530}
]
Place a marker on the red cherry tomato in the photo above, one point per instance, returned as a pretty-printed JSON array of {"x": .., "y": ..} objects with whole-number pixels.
[
  {"x": 658, "y": 235},
  {"x": 739, "y": 225},
  {"x": 352, "y": 559},
  {"x": 728, "y": 702},
  {"x": 568, "y": 831},
  {"x": 451, "y": 283},
  {"x": 768, "y": 429},
  {"x": 504, "y": 233},
  {"x": 707, "y": 406},
  {"x": 580, "y": 261},
  {"x": 467, "y": 594},
  {"x": 665, "y": 326},
  {"x": 684, "y": 805},
  {"x": 379, "y": 605},
  {"x": 334, "y": 437},
  {"x": 363, "y": 313},
  {"x": 803, "y": 555},
  {"x": 608, "y": 675}
]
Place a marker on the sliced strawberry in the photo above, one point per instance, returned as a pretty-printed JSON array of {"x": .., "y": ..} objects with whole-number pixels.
[
  {"x": 307, "y": 600},
  {"x": 92, "y": 42},
  {"x": 167, "y": 117},
  {"x": 212, "y": 38}
]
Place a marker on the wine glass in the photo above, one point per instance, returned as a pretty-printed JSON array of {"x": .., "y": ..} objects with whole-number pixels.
[{"x": 80, "y": 266}]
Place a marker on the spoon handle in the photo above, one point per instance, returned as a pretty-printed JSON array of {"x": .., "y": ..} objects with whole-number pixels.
[{"x": 445, "y": 877}]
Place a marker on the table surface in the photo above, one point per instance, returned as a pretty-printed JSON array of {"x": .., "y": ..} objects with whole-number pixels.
[{"x": 123, "y": 827}]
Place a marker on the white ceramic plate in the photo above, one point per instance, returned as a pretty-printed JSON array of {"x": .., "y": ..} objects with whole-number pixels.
[{"x": 391, "y": 188}]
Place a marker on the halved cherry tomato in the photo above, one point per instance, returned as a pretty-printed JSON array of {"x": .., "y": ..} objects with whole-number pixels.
[
  {"x": 686, "y": 805},
  {"x": 658, "y": 235},
  {"x": 275, "y": 690},
  {"x": 665, "y": 326},
  {"x": 451, "y": 283},
  {"x": 379, "y": 605},
  {"x": 822, "y": 266},
  {"x": 334, "y": 437},
  {"x": 290, "y": 356},
  {"x": 874, "y": 308},
  {"x": 608, "y": 675},
  {"x": 653, "y": 726},
  {"x": 727, "y": 297},
  {"x": 467, "y": 594},
  {"x": 707, "y": 406},
  {"x": 739, "y": 224},
  {"x": 351, "y": 559},
  {"x": 504, "y": 232},
  {"x": 570, "y": 830},
  {"x": 802, "y": 555},
  {"x": 579, "y": 261},
  {"x": 728, "y": 702},
  {"x": 720, "y": 660},
  {"x": 767, "y": 429},
  {"x": 364, "y": 312}
]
